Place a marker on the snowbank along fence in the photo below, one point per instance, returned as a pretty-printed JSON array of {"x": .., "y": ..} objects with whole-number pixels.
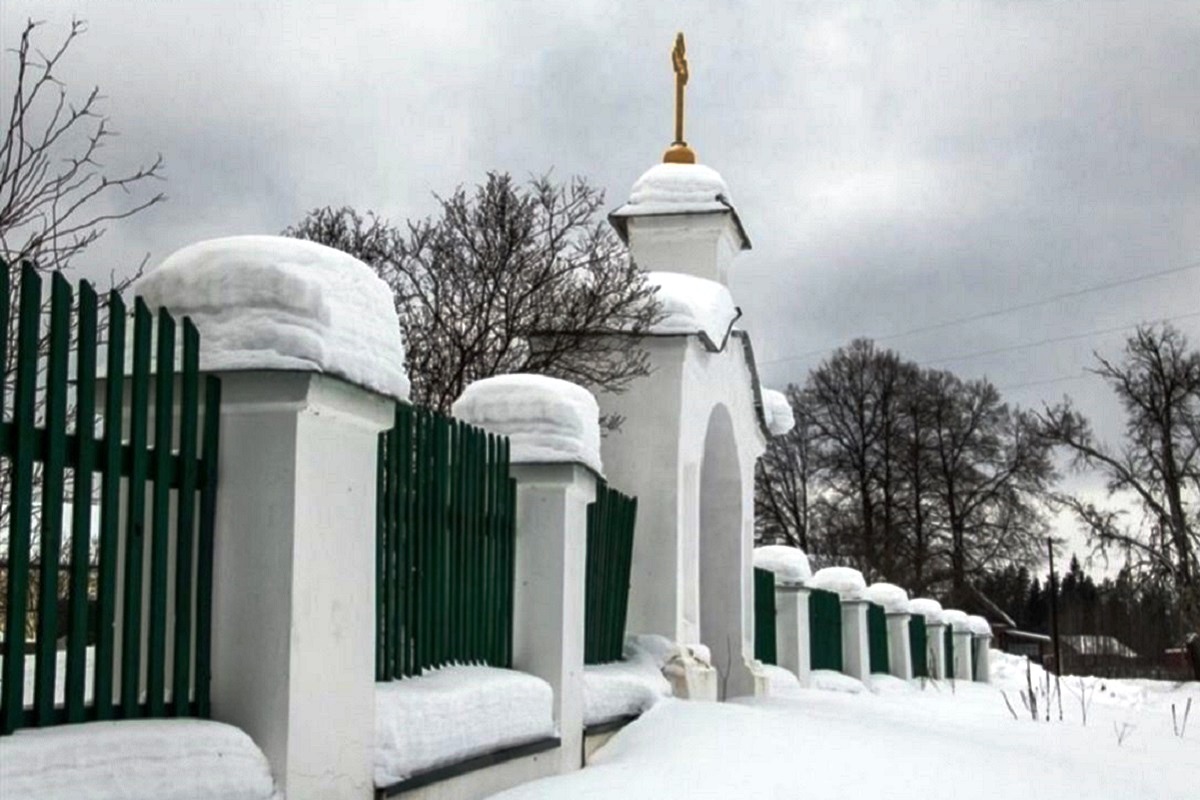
[
  {"x": 445, "y": 529},
  {"x": 825, "y": 629},
  {"x": 766, "y": 647},
  {"x": 610, "y": 524},
  {"x": 157, "y": 486}
]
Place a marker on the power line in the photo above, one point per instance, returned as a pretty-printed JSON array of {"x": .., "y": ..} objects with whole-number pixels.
[
  {"x": 1000, "y": 311},
  {"x": 1054, "y": 340},
  {"x": 1063, "y": 379}
]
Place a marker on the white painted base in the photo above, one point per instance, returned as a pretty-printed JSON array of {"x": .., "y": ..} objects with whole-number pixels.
[
  {"x": 983, "y": 661},
  {"x": 935, "y": 650},
  {"x": 856, "y": 659},
  {"x": 963, "y": 645},
  {"x": 899, "y": 646},
  {"x": 793, "y": 646}
]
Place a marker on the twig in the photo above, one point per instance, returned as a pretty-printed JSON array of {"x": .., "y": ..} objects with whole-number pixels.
[{"x": 1011, "y": 710}]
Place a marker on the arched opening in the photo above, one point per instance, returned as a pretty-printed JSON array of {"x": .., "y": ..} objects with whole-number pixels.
[{"x": 721, "y": 591}]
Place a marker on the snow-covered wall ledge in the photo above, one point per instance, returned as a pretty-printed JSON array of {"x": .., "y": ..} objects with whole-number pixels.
[
  {"x": 276, "y": 303},
  {"x": 547, "y": 420}
]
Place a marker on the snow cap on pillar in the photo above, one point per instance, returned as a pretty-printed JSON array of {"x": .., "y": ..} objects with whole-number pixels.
[
  {"x": 927, "y": 607},
  {"x": 546, "y": 420},
  {"x": 846, "y": 581},
  {"x": 890, "y": 596},
  {"x": 778, "y": 411},
  {"x": 790, "y": 564},
  {"x": 277, "y": 303},
  {"x": 979, "y": 626},
  {"x": 958, "y": 620}
]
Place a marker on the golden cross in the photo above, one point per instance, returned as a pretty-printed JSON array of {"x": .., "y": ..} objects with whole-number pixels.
[{"x": 679, "y": 152}]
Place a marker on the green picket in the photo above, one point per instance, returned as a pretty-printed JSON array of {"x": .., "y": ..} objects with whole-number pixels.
[
  {"x": 185, "y": 519},
  {"x": 877, "y": 639},
  {"x": 52, "y": 498},
  {"x": 81, "y": 503},
  {"x": 21, "y": 450},
  {"x": 110, "y": 500},
  {"x": 164, "y": 389},
  {"x": 918, "y": 644}
]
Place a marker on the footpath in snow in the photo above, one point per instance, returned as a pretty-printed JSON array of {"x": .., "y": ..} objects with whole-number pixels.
[{"x": 901, "y": 741}]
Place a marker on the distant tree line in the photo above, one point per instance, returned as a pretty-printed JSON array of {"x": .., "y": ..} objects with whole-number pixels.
[{"x": 1142, "y": 616}]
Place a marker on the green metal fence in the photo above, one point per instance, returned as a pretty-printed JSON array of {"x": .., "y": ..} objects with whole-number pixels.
[
  {"x": 949, "y": 639},
  {"x": 610, "y": 523},
  {"x": 825, "y": 629},
  {"x": 919, "y": 646},
  {"x": 765, "y": 644},
  {"x": 152, "y": 658},
  {"x": 445, "y": 528},
  {"x": 877, "y": 638}
]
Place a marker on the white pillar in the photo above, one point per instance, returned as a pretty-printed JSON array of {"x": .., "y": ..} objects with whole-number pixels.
[
  {"x": 792, "y": 642},
  {"x": 983, "y": 667},
  {"x": 899, "y": 645},
  {"x": 856, "y": 659},
  {"x": 962, "y": 654},
  {"x": 293, "y": 586},
  {"x": 548, "y": 603},
  {"x": 935, "y": 650}
]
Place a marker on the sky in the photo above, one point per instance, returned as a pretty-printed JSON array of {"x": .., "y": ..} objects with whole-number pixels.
[{"x": 897, "y": 165}]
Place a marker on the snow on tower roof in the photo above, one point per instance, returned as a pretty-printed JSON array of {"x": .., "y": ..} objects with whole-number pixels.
[
  {"x": 276, "y": 303},
  {"x": 888, "y": 595},
  {"x": 547, "y": 420},
  {"x": 693, "y": 305},
  {"x": 789, "y": 564},
  {"x": 670, "y": 189},
  {"x": 847, "y": 582}
]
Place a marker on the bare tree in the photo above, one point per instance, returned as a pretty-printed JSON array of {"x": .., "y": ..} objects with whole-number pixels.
[
  {"x": 1158, "y": 465},
  {"x": 508, "y": 278},
  {"x": 56, "y": 196},
  {"x": 784, "y": 480}
]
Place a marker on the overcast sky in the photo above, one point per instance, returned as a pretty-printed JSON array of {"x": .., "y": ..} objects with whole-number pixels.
[{"x": 896, "y": 165}]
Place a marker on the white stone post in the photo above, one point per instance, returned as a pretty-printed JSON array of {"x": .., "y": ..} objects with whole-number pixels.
[
  {"x": 293, "y": 637},
  {"x": 548, "y": 604},
  {"x": 983, "y": 667},
  {"x": 935, "y": 637},
  {"x": 856, "y": 660},
  {"x": 899, "y": 645},
  {"x": 554, "y": 434},
  {"x": 963, "y": 645},
  {"x": 293, "y": 583},
  {"x": 793, "y": 645}
]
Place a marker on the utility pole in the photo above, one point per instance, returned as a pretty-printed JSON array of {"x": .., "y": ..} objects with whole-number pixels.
[{"x": 1054, "y": 610}]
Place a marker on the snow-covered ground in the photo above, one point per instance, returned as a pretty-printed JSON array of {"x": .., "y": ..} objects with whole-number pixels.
[
  {"x": 628, "y": 687},
  {"x": 900, "y": 740}
]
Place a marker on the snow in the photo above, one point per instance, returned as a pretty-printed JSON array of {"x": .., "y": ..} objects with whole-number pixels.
[
  {"x": 159, "y": 759},
  {"x": 276, "y": 303},
  {"x": 627, "y": 687},
  {"x": 778, "y": 412},
  {"x": 846, "y": 581},
  {"x": 789, "y": 564},
  {"x": 782, "y": 682},
  {"x": 677, "y": 189},
  {"x": 454, "y": 713},
  {"x": 888, "y": 595},
  {"x": 830, "y": 681},
  {"x": 940, "y": 742},
  {"x": 547, "y": 420},
  {"x": 978, "y": 625},
  {"x": 927, "y": 607},
  {"x": 956, "y": 619},
  {"x": 693, "y": 305}
]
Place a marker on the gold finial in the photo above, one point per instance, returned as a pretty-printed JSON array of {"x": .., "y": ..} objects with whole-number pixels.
[{"x": 679, "y": 152}]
